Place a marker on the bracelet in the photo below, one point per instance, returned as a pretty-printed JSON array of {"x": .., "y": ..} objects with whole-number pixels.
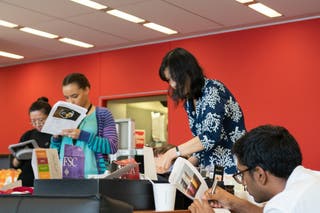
[{"x": 178, "y": 151}]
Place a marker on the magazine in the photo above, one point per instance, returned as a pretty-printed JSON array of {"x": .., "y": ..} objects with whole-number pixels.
[
  {"x": 63, "y": 115},
  {"x": 187, "y": 179},
  {"x": 23, "y": 150}
]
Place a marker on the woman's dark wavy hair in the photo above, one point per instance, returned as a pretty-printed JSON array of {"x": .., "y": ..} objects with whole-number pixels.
[
  {"x": 77, "y": 78},
  {"x": 41, "y": 104},
  {"x": 183, "y": 67},
  {"x": 272, "y": 148}
]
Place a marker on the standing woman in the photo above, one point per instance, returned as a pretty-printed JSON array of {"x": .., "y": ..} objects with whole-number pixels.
[
  {"x": 38, "y": 113},
  {"x": 96, "y": 135},
  {"x": 215, "y": 117}
]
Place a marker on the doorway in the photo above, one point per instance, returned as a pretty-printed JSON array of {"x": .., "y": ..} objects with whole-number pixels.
[{"x": 149, "y": 112}]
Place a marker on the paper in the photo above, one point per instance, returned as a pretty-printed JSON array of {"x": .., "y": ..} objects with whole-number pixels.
[
  {"x": 63, "y": 115},
  {"x": 23, "y": 150},
  {"x": 187, "y": 179},
  {"x": 149, "y": 163},
  {"x": 45, "y": 164},
  {"x": 221, "y": 210}
]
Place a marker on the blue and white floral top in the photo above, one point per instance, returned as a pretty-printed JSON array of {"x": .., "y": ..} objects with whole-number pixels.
[{"x": 218, "y": 121}]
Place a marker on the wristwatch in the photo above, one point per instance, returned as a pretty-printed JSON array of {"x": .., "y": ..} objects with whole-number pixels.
[{"x": 178, "y": 151}]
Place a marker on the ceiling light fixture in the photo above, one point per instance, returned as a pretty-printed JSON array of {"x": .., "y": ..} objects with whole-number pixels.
[
  {"x": 160, "y": 28},
  {"x": 10, "y": 55},
  {"x": 125, "y": 16},
  {"x": 91, "y": 4},
  {"x": 76, "y": 43},
  {"x": 128, "y": 17},
  {"x": 7, "y": 24},
  {"x": 38, "y": 32},
  {"x": 245, "y": 1},
  {"x": 263, "y": 9}
]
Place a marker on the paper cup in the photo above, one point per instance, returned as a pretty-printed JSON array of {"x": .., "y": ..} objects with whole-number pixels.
[{"x": 164, "y": 196}]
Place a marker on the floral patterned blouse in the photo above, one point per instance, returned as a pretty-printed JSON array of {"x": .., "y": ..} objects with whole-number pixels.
[{"x": 218, "y": 121}]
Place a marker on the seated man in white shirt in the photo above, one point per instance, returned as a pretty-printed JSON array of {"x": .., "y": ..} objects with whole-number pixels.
[{"x": 269, "y": 165}]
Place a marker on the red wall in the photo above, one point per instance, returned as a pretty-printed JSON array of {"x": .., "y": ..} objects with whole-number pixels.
[{"x": 273, "y": 71}]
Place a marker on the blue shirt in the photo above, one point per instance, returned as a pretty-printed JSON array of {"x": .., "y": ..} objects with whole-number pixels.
[
  {"x": 98, "y": 137},
  {"x": 218, "y": 121}
]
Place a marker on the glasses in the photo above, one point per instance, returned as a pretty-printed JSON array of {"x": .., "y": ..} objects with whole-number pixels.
[
  {"x": 37, "y": 122},
  {"x": 239, "y": 175}
]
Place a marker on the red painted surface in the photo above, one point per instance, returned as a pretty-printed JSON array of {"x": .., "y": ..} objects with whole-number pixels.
[{"x": 273, "y": 72}]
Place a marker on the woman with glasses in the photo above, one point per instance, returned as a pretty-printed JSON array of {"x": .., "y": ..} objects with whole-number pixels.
[{"x": 38, "y": 113}]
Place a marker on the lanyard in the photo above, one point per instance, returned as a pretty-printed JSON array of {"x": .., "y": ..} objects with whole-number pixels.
[{"x": 74, "y": 141}]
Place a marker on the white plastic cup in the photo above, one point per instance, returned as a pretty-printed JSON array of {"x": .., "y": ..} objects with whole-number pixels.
[{"x": 164, "y": 196}]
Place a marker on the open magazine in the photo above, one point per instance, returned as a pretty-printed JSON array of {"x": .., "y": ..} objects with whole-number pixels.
[
  {"x": 187, "y": 179},
  {"x": 63, "y": 115}
]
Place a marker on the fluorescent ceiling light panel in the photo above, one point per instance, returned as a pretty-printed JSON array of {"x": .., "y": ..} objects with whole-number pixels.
[
  {"x": 10, "y": 55},
  {"x": 125, "y": 16},
  {"x": 91, "y": 4},
  {"x": 75, "y": 42},
  {"x": 263, "y": 9},
  {"x": 38, "y": 32},
  {"x": 160, "y": 28},
  {"x": 244, "y": 1},
  {"x": 7, "y": 24}
]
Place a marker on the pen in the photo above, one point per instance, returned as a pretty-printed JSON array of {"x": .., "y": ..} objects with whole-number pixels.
[{"x": 214, "y": 186}]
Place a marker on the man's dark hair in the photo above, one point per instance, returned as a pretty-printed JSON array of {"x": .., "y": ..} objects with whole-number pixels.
[
  {"x": 77, "y": 78},
  {"x": 183, "y": 68},
  {"x": 272, "y": 148}
]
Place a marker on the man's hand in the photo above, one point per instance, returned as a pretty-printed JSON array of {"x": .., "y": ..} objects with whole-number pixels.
[{"x": 200, "y": 207}]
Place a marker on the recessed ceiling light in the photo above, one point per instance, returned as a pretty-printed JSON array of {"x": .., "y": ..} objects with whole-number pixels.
[
  {"x": 38, "y": 32},
  {"x": 76, "y": 43},
  {"x": 244, "y": 1},
  {"x": 263, "y": 9},
  {"x": 91, "y": 4},
  {"x": 10, "y": 55},
  {"x": 125, "y": 16},
  {"x": 160, "y": 28},
  {"x": 7, "y": 24}
]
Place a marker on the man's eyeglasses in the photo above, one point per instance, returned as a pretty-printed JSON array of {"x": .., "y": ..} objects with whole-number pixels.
[{"x": 239, "y": 175}]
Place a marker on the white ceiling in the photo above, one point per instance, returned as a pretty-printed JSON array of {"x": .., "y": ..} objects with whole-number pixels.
[{"x": 189, "y": 17}]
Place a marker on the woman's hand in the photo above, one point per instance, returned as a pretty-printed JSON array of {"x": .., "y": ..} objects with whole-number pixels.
[
  {"x": 15, "y": 162},
  {"x": 164, "y": 161},
  {"x": 71, "y": 133}
]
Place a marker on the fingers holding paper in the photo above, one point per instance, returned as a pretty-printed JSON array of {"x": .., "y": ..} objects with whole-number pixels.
[
  {"x": 220, "y": 198},
  {"x": 164, "y": 162},
  {"x": 200, "y": 207},
  {"x": 71, "y": 133}
]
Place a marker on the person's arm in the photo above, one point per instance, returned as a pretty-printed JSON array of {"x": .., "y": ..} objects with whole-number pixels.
[
  {"x": 212, "y": 114},
  {"x": 14, "y": 162},
  {"x": 189, "y": 147},
  {"x": 107, "y": 143},
  {"x": 200, "y": 207},
  {"x": 55, "y": 142},
  {"x": 231, "y": 202}
]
